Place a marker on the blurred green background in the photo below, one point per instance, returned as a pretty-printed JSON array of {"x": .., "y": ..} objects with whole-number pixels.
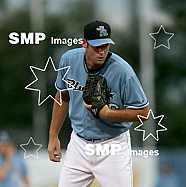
[
  {"x": 66, "y": 20},
  {"x": 19, "y": 112}
]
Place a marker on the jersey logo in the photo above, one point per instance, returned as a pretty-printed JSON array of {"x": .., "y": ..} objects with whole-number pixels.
[
  {"x": 74, "y": 84},
  {"x": 102, "y": 31},
  {"x": 112, "y": 95},
  {"x": 113, "y": 106},
  {"x": 77, "y": 87}
]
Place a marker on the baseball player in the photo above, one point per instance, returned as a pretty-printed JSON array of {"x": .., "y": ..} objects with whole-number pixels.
[{"x": 104, "y": 121}]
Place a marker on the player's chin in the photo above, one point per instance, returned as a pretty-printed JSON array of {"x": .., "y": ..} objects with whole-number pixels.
[{"x": 100, "y": 61}]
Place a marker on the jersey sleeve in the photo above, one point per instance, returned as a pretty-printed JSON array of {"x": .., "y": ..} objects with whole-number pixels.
[
  {"x": 134, "y": 96},
  {"x": 60, "y": 84}
]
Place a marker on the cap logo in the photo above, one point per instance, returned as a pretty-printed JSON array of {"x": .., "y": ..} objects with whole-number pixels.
[{"x": 102, "y": 31}]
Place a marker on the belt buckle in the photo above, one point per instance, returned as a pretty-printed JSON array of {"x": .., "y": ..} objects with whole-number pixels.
[
  {"x": 94, "y": 140},
  {"x": 91, "y": 140}
]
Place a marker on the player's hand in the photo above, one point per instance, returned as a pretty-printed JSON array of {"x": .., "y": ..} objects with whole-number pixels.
[
  {"x": 103, "y": 112},
  {"x": 54, "y": 149},
  {"x": 96, "y": 93}
]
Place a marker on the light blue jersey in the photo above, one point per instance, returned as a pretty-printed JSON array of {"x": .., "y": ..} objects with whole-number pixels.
[{"x": 126, "y": 92}]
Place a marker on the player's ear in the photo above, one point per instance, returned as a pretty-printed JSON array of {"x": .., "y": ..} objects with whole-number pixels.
[{"x": 84, "y": 44}]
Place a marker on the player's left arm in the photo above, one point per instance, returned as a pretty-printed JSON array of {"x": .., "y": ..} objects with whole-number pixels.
[
  {"x": 134, "y": 100},
  {"x": 135, "y": 103},
  {"x": 127, "y": 115}
]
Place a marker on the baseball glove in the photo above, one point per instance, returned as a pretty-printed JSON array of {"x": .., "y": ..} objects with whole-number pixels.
[{"x": 96, "y": 93}]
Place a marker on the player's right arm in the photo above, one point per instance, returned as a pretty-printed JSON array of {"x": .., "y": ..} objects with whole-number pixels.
[{"x": 58, "y": 117}]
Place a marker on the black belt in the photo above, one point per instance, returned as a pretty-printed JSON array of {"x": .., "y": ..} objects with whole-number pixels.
[{"x": 92, "y": 140}]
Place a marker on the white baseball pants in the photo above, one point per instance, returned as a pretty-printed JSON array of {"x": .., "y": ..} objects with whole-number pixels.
[{"x": 80, "y": 169}]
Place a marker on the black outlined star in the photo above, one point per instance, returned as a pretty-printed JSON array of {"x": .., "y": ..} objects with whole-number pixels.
[
  {"x": 166, "y": 35},
  {"x": 151, "y": 133},
  {"x": 36, "y": 148},
  {"x": 28, "y": 87}
]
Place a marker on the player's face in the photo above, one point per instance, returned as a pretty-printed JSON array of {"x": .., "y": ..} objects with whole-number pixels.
[{"x": 95, "y": 56}]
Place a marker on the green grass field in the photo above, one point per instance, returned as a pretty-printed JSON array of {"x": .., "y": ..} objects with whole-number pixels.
[{"x": 95, "y": 184}]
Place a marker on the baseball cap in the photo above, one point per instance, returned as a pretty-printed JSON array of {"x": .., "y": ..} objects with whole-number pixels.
[
  {"x": 98, "y": 33},
  {"x": 4, "y": 137}
]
